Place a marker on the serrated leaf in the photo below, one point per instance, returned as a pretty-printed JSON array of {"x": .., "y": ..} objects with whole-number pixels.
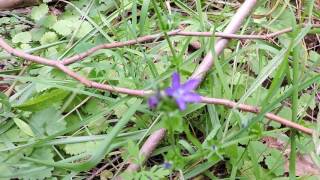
[
  {"x": 39, "y": 12},
  {"x": 85, "y": 28},
  {"x": 55, "y": 125},
  {"x": 63, "y": 27},
  {"x": 94, "y": 106},
  {"x": 45, "y": 154},
  {"x": 23, "y": 126},
  {"x": 47, "y": 121},
  {"x": 79, "y": 148},
  {"x": 43, "y": 101},
  {"x": 5, "y": 106},
  {"x": 22, "y": 37},
  {"x": 275, "y": 162},
  {"x": 25, "y": 46},
  {"x": 4, "y": 20},
  {"x": 37, "y": 33},
  {"x": 49, "y": 21},
  {"x": 48, "y": 37}
]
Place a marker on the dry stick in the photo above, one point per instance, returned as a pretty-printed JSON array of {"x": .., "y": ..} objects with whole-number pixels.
[
  {"x": 11, "y": 88},
  {"x": 178, "y": 32},
  {"x": 232, "y": 27},
  {"x": 256, "y": 110},
  {"x": 59, "y": 65},
  {"x": 156, "y": 137}
]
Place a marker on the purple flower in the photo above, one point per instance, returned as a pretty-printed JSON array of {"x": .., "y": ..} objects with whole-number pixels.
[
  {"x": 167, "y": 165},
  {"x": 153, "y": 101},
  {"x": 183, "y": 93}
]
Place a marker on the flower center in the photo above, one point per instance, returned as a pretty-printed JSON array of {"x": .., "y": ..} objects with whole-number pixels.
[{"x": 178, "y": 93}]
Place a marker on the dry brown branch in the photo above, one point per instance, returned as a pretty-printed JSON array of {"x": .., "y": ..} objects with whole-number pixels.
[
  {"x": 141, "y": 93},
  {"x": 256, "y": 110},
  {"x": 178, "y": 32},
  {"x": 62, "y": 67},
  {"x": 232, "y": 27},
  {"x": 149, "y": 38}
]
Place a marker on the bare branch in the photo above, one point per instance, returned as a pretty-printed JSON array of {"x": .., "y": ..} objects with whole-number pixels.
[
  {"x": 256, "y": 110},
  {"x": 232, "y": 27},
  {"x": 142, "y": 93},
  {"x": 178, "y": 32}
]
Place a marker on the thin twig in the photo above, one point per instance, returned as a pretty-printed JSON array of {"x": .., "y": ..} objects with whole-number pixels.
[
  {"x": 97, "y": 173},
  {"x": 256, "y": 110},
  {"x": 142, "y": 93},
  {"x": 156, "y": 137},
  {"x": 178, "y": 32},
  {"x": 11, "y": 88},
  {"x": 157, "y": 37},
  {"x": 62, "y": 67}
]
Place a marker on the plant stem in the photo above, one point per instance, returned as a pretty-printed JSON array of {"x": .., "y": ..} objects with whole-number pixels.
[{"x": 294, "y": 108}]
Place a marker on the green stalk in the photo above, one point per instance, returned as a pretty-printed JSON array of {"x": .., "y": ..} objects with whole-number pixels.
[
  {"x": 294, "y": 108},
  {"x": 164, "y": 30}
]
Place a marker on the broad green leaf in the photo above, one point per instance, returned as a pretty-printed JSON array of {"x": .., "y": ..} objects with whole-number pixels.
[
  {"x": 49, "y": 21},
  {"x": 43, "y": 101},
  {"x": 48, "y": 37},
  {"x": 275, "y": 162},
  {"x": 22, "y": 37},
  {"x": 79, "y": 148},
  {"x": 23, "y": 126},
  {"x": 63, "y": 27},
  {"x": 47, "y": 121},
  {"x": 4, "y": 20},
  {"x": 102, "y": 150},
  {"x": 84, "y": 29},
  {"x": 39, "y": 12}
]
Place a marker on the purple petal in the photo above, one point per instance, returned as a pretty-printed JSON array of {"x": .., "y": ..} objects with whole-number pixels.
[
  {"x": 191, "y": 85},
  {"x": 181, "y": 104},
  {"x": 170, "y": 91},
  {"x": 153, "y": 102},
  {"x": 175, "y": 80},
  {"x": 191, "y": 97},
  {"x": 167, "y": 165}
]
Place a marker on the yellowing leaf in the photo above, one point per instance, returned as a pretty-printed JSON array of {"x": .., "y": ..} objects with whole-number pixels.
[{"x": 23, "y": 126}]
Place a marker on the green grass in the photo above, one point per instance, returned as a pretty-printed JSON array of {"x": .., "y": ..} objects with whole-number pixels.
[{"x": 65, "y": 130}]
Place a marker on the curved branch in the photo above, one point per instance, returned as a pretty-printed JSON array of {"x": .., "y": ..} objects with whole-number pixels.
[
  {"x": 62, "y": 67},
  {"x": 232, "y": 27},
  {"x": 256, "y": 110},
  {"x": 142, "y": 93},
  {"x": 178, "y": 32}
]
